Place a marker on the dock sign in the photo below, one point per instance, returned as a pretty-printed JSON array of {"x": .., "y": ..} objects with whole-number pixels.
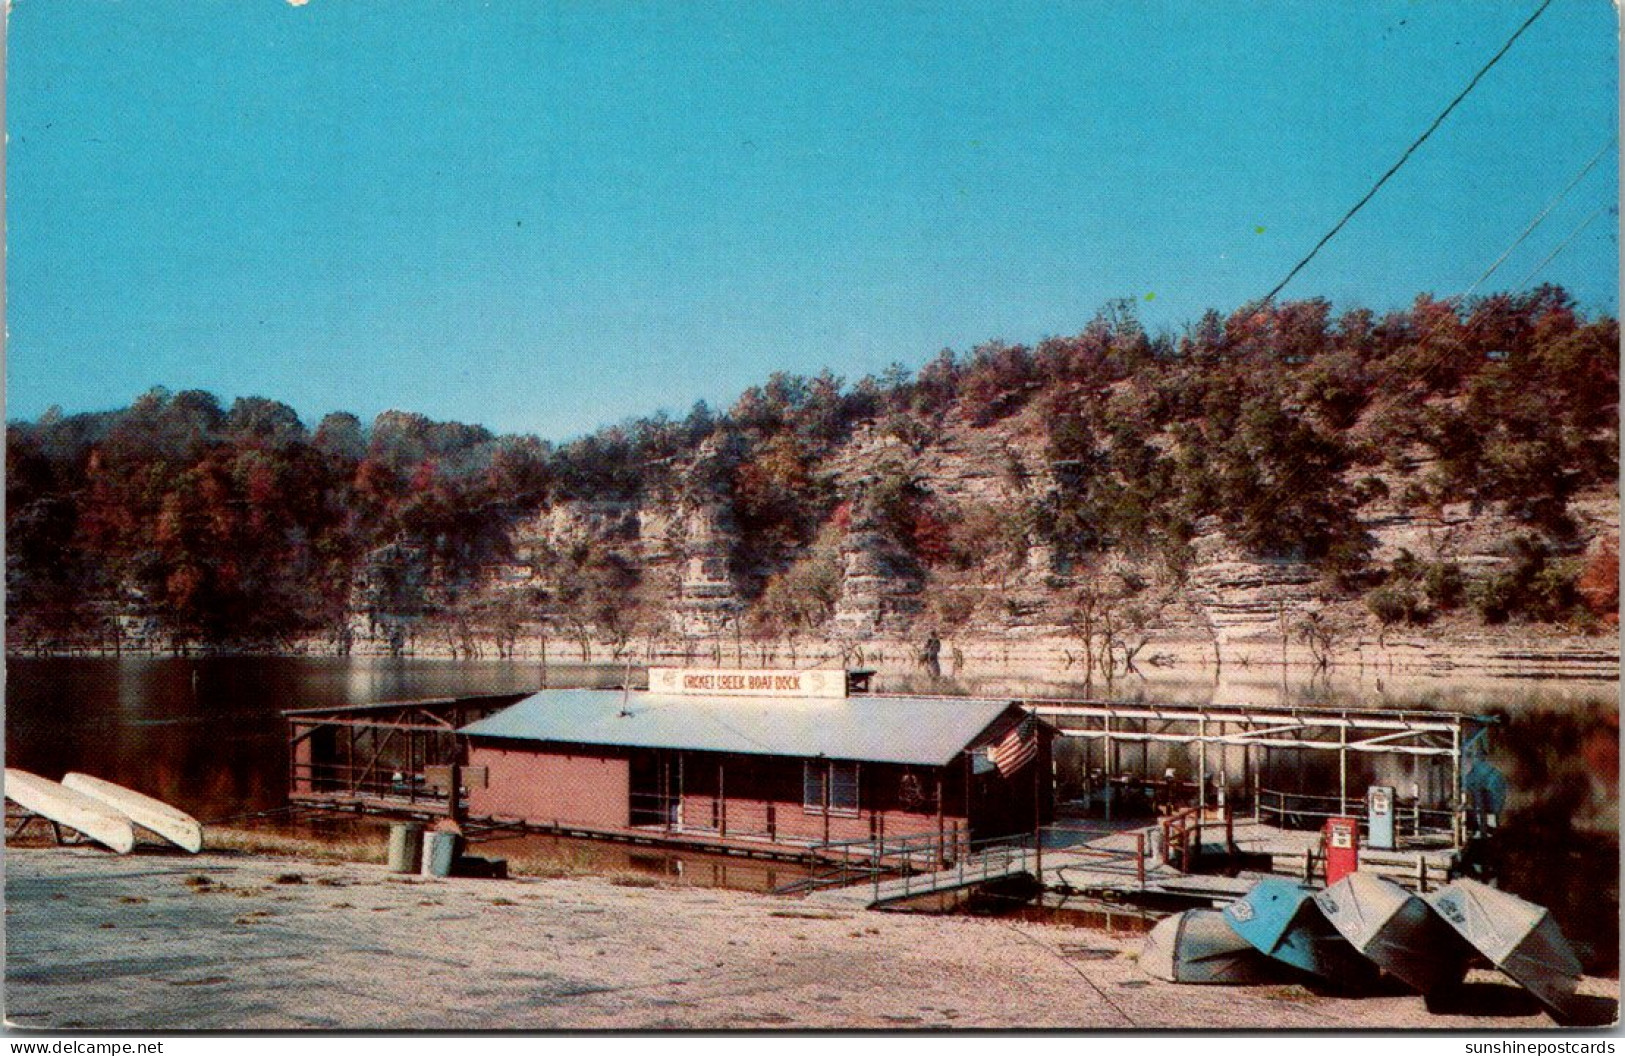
[{"x": 744, "y": 682}]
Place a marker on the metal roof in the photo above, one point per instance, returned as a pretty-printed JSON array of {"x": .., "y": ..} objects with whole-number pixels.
[
  {"x": 386, "y": 705},
  {"x": 921, "y": 731}
]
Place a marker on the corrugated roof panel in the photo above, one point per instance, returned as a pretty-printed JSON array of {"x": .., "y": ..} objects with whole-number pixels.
[{"x": 911, "y": 730}]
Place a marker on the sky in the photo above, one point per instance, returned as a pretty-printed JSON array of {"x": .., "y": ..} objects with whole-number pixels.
[{"x": 547, "y": 217}]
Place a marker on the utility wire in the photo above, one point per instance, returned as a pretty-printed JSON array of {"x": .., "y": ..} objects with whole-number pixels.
[
  {"x": 1403, "y": 158},
  {"x": 1430, "y": 368},
  {"x": 1561, "y": 246},
  {"x": 1468, "y": 292},
  {"x": 1079, "y": 972}
]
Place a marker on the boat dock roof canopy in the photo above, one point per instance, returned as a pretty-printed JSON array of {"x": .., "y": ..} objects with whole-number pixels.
[{"x": 923, "y": 731}]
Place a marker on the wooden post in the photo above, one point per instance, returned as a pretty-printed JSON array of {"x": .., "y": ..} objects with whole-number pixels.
[
  {"x": 1139, "y": 857},
  {"x": 1038, "y": 812},
  {"x": 941, "y": 836},
  {"x": 1458, "y": 821},
  {"x": 826, "y": 782},
  {"x": 1258, "y": 791},
  {"x": 966, "y": 777},
  {"x": 722, "y": 802},
  {"x": 454, "y": 800},
  {"x": 665, "y": 790}
]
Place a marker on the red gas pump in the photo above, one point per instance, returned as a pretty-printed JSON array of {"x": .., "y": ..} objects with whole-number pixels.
[{"x": 1340, "y": 847}]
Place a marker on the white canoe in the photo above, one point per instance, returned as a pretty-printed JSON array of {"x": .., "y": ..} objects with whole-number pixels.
[
  {"x": 75, "y": 810},
  {"x": 176, "y": 826}
]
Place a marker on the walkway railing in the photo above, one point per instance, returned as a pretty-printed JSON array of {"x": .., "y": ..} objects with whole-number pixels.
[
  {"x": 976, "y": 862},
  {"x": 1297, "y": 810},
  {"x": 1182, "y": 833},
  {"x": 375, "y": 783}
]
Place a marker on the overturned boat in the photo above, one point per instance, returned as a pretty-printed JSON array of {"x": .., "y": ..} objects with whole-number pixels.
[
  {"x": 1397, "y": 931},
  {"x": 1519, "y": 937},
  {"x": 70, "y": 809},
  {"x": 176, "y": 826},
  {"x": 1279, "y": 918},
  {"x": 1198, "y": 946}
]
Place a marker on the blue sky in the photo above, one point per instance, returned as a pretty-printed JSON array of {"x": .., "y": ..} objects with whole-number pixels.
[{"x": 547, "y": 217}]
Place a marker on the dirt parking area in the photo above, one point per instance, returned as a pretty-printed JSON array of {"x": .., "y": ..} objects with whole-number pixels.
[{"x": 222, "y": 942}]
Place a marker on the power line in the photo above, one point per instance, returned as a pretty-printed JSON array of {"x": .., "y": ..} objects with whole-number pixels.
[
  {"x": 1432, "y": 363},
  {"x": 1537, "y": 220},
  {"x": 1403, "y": 158},
  {"x": 1561, "y": 246}
]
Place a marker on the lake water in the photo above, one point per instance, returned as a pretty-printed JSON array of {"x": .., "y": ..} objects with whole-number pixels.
[{"x": 206, "y": 734}]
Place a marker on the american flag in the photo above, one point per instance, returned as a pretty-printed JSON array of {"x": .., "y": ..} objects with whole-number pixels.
[{"x": 1019, "y": 747}]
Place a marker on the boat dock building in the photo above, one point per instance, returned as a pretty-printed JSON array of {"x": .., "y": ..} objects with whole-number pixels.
[
  {"x": 1111, "y": 796},
  {"x": 733, "y": 760}
]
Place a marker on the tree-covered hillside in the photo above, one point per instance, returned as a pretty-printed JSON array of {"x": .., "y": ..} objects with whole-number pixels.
[{"x": 988, "y": 489}]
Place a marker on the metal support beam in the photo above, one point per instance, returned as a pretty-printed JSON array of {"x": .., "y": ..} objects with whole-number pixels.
[
  {"x": 1343, "y": 770},
  {"x": 1233, "y": 739},
  {"x": 1201, "y": 763}
]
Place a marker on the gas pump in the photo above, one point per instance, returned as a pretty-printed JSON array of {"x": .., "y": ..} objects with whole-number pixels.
[
  {"x": 1379, "y": 803},
  {"x": 1340, "y": 847}
]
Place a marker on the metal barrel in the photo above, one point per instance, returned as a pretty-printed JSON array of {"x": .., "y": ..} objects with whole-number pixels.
[
  {"x": 440, "y": 850},
  {"x": 405, "y": 846}
]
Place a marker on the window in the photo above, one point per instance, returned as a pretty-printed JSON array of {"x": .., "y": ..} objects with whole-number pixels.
[
  {"x": 843, "y": 788},
  {"x": 812, "y": 785},
  {"x": 831, "y": 783}
]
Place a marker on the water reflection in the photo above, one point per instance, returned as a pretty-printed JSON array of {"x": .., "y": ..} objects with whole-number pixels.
[
  {"x": 1233, "y": 685},
  {"x": 206, "y": 733}
]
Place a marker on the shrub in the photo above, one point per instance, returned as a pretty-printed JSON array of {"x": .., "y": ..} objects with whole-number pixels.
[
  {"x": 1495, "y": 597},
  {"x": 1393, "y": 605},
  {"x": 1534, "y": 587},
  {"x": 1369, "y": 489},
  {"x": 1443, "y": 584}
]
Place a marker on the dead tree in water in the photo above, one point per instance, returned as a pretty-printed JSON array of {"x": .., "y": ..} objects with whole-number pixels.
[
  {"x": 1321, "y": 635},
  {"x": 1112, "y": 627}
]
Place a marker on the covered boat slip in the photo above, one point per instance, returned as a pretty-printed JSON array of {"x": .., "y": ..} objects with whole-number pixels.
[
  {"x": 728, "y": 759},
  {"x": 1293, "y": 765},
  {"x": 392, "y": 757}
]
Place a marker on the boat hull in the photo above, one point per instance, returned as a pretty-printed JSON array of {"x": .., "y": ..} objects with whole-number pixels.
[
  {"x": 1519, "y": 937},
  {"x": 71, "y": 809},
  {"x": 1197, "y": 946},
  {"x": 1280, "y": 919},
  {"x": 176, "y": 826},
  {"x": 1397, "y": 931}
]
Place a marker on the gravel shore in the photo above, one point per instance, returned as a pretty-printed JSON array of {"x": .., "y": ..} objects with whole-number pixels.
[{"x": 232, "y": 941}]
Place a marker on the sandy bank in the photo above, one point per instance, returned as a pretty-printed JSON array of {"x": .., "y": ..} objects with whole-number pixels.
[{"x": 97, "y": 941}]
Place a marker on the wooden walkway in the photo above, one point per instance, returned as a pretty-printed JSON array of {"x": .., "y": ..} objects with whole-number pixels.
[
  {"x": 1117, "y": 866},
  {"x": 985, "y": 867},
  {"x": 1414, "y": 866}
]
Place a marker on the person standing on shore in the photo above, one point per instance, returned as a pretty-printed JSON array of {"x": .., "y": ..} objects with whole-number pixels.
[{"x": 931, "y": 656}]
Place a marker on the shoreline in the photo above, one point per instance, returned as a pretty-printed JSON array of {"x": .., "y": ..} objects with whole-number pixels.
[
  {"x": 353, "y": 945},
  {"x": 1532, "y": 652}
]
